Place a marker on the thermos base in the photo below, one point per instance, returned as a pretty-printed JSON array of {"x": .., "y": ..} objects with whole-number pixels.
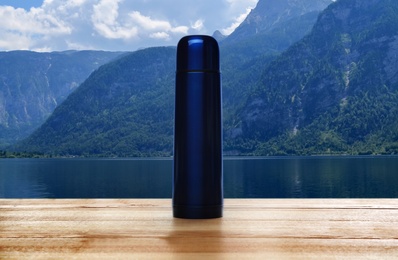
[{"x": 197, "y": 212}]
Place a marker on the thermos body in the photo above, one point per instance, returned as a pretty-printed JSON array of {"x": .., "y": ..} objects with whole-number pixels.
[{"x": 198, "y": 169}]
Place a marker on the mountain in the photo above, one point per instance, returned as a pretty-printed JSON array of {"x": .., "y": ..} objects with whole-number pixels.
[
  {"x": 125, "y": 108},
  {"x": 218, "y": 36},
  {"x": 335, "y": 91},
  {"x": 271, "y": 13},
  {"x": 267, "y": 31},
  {"x": 32, "y": 84},
  {"x": 137, "y": 118}
]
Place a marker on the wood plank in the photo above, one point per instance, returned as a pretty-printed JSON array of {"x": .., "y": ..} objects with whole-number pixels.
[{"x": 250, "y": 229}]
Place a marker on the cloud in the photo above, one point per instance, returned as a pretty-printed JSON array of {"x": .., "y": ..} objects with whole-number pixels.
[
  {"x": 10, "y": 41},
  {"x": 149, "y": 24},
  {"x": 198, "y": 25},
  {"x": 236, "y": 7},
  {"x": 105, "y": 20},
  {"x": 236, "y": 23},
  {"x": 115, "y": 24},
  {"x": 19, "y": 28},
  {"x": 163, "y": 28},
  {"x": 36, "y": 21},
  {"x": 160, "y": 35}
]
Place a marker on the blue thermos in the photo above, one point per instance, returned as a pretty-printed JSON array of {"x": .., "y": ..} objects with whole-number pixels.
[{"x": 198, "y": 166}]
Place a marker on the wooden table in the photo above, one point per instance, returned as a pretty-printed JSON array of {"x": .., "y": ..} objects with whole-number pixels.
[{"x": 250, "y": 229}]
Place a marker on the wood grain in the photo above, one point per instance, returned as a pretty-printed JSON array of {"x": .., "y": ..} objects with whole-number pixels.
[{"x": 250, "y": 229}]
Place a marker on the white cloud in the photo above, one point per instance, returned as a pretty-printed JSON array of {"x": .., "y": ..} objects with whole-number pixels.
[
  {"x": 77, "y": 46},
  {"x": 149, "y": 24},
  {"x": 115, "y": 24},
  {"x": 241, "y": 9},
  {"x": 11, "y": 41},
  {"x": 36, "y": 21},
  {"x": 198, "y": 25},
  {"x": 162, "y": 27},
  {"x": 160, "y": 35},
  {"x": 180, "y": 30},
  {"x": 19, "y": 29},
  {"x": 236, "y": 23},
  {"x": 76, "y": 2},
  {"x": 105, "y": 20}
]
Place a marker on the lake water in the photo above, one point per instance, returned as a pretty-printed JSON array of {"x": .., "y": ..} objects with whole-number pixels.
[{"x": 273, "y": 177}]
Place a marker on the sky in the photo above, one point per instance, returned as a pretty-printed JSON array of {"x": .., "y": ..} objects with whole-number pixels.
[{"x": 113, "y": 25}]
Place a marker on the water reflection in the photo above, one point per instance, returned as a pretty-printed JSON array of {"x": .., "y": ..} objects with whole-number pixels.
[
  {"x": 294, "y": 177},
  {"x": 296, "y": 180},
  {"x": 312, "y": 177},
  {"x": 19, "y": 178},
  {"x": 85, "y": 178}
]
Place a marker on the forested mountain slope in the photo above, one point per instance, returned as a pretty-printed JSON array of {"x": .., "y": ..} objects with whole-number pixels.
[
  {"x": 32, "y": 84},
  {"x": 137, "y": 118},
  {"x": 335, "y": 91}
]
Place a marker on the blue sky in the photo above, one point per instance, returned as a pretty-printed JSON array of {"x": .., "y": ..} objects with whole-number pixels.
[
  {"x": 115, "y": 25},
  {"x": 26, "y": 4}
]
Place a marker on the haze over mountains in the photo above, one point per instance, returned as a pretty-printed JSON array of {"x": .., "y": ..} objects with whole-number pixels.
[
  {"x": 32, "y": 84},
  {"x": 297, "y": 79}
]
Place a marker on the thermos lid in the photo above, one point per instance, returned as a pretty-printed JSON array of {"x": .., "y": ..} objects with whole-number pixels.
[{"x": 198, "y": 53}]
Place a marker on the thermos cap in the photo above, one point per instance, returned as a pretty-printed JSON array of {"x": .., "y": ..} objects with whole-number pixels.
[{"x": 198, "y": 53}]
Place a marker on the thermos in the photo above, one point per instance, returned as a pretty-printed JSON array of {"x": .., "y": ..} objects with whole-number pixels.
[{"x": 198, "y": 167}]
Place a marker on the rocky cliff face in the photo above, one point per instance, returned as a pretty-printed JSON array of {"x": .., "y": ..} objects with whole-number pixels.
[
  {"x": 350, "y": 56},
  {"x": 269, "y": 14},
  {"x": 33, "y": 84},
  {"x": 125, "y": 108},
  {"x": 268, "y": 30}
]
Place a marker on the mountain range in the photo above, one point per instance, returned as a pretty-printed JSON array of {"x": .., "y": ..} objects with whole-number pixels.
[
  {"x": 299, "y": 78},
  {"x": 336, "y": 89},
  {"x": 32, "y": 84}
]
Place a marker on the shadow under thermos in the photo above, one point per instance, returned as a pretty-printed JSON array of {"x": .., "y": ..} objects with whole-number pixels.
[{"x": 198, "y": 166}]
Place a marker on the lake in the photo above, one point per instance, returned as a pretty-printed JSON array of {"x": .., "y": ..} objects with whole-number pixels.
[{"x": 266, "y": 177}]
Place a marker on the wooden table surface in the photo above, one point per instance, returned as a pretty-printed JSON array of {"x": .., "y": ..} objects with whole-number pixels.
[{"x": 250, "y": 229}]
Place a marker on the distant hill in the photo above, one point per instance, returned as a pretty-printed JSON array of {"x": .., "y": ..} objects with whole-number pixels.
[{"x": 32, "y": 84}]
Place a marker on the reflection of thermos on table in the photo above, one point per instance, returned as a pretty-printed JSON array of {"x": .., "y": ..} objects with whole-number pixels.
[{"x": 198, "y": 181}]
